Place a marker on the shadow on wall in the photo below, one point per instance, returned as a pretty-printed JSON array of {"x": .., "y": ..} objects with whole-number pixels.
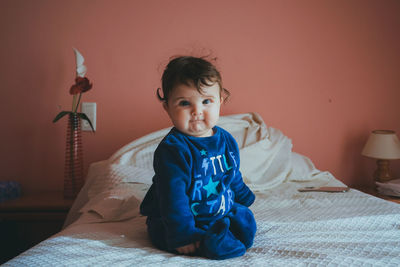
[{"x": 360, "y": 167}]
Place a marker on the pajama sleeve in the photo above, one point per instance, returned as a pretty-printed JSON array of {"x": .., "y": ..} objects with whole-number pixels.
[
  {"x": 172, "y": 165},
  {"x": 243, "y": 194}
]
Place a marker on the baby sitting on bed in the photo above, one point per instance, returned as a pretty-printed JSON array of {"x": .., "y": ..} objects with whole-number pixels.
[{"x": 198, "y": 202}]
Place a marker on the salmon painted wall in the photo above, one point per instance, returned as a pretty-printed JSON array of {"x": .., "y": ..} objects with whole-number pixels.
[{"x": 326, "y": 73}]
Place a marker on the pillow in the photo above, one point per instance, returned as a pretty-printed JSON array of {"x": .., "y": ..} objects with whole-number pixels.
[
  {"x": 266, "y": 163},
  {"x": 116, "y": 174},
  {"x": 113, "y": 187},
  {"x": 119, "y": 195},
  {"x": 119, "y": 203},
  {"x": 303, "y": 170}
]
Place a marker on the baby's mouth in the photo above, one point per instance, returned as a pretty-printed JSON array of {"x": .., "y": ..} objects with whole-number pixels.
[{"x": 196, "y": 120}]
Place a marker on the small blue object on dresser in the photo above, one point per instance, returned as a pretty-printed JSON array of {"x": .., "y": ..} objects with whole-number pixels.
[{"x": 9, "y": 190}]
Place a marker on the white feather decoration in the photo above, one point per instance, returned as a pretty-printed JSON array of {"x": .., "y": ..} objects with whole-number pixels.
[{"x": 80, "y": 68}]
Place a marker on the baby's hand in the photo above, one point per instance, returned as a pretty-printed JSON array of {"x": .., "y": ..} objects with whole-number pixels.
[{"x": 188, "y": 249}]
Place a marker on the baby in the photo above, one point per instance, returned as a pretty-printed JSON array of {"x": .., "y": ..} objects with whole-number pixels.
[{"x": 198, "y": 202}]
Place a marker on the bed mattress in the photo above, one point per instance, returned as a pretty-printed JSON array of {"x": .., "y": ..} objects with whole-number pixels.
[{"x": 294, "y": 229}]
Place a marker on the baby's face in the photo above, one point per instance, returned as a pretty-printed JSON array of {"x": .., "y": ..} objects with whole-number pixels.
[{"x": 194, "y": 113}]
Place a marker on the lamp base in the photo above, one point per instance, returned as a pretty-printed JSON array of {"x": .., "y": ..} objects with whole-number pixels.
[{"x": 382, "y": 173}]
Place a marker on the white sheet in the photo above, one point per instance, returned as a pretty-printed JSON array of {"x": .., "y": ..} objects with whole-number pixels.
[{"x": 294, "y": 229}]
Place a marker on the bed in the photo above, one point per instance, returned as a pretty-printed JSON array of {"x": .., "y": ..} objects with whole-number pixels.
[{"x": 295, "y": 228}]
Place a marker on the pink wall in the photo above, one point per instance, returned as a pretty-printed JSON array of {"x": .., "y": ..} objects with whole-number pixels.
[{"x": 324, "y": 72}]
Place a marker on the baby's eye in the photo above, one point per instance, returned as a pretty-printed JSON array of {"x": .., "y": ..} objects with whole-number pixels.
[
  {"x": 206, "y": 101},
  {"x": 184, "y": 103}
]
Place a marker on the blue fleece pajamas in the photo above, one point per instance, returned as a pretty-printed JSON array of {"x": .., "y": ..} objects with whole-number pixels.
[{"x": 198, "y": 194}]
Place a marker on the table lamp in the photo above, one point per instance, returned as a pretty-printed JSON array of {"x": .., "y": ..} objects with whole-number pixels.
[{"x": 382, "y": 145}]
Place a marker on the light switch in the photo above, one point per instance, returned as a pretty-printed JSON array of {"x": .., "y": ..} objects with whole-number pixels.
[{"x": 89, "y": 108}]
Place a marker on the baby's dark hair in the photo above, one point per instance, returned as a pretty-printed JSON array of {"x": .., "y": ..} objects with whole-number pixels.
[{"x": 190, "y": 71}]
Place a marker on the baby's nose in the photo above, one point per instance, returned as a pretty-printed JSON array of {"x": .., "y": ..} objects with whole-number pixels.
[{"x": 197, "y": 110}]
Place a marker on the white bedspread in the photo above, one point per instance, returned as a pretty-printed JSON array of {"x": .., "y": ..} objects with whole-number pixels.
[
  {"x": 294, "y": 229},
  {"x": 104, "y": 227}
]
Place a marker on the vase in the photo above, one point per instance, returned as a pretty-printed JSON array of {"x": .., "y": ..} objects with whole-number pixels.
[{"x": 73, "y": 169}]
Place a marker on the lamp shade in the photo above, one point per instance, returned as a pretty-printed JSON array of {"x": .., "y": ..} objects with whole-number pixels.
[{"x": 382, "y": 144}]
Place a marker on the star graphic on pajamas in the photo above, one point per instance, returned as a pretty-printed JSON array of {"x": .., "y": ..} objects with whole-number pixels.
[
  {"x": 211, "y": 187},
  {"x": 203, "y": 152}
]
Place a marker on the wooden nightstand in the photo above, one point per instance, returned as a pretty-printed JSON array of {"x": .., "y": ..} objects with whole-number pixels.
[
  {"x": 30, "y": 219},
  {"x": 372, "y": 191}
]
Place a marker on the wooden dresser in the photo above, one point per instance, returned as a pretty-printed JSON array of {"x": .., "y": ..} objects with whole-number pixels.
[{"x": 30, "y": 219}]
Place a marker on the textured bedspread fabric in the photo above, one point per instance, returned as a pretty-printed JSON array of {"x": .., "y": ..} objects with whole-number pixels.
[{"x": 294, "y": 229}]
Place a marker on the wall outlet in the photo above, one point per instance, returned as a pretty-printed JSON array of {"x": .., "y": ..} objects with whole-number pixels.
[{"x": 89, "y": 108}]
